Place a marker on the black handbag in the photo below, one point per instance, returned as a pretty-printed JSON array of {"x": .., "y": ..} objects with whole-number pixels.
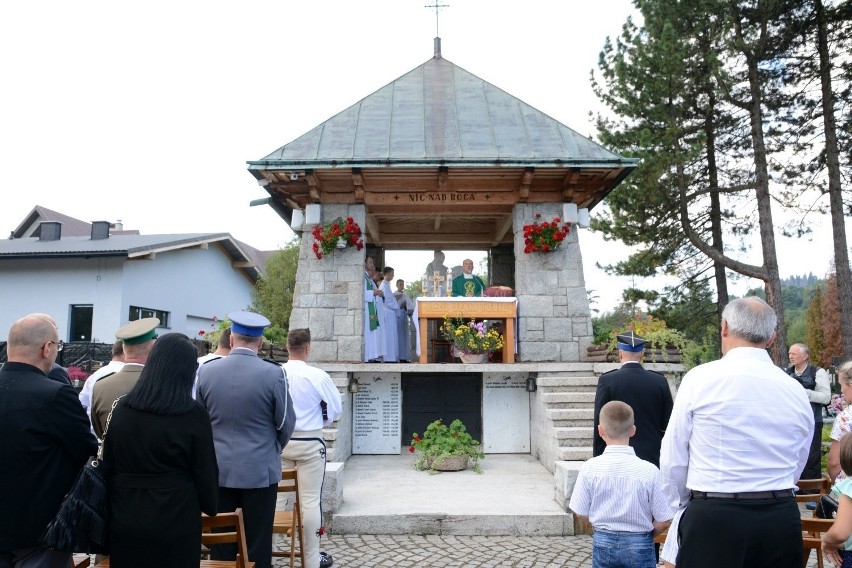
[
  {"x": 81, "y": 523},
  {"x": 827, "y": 507}
]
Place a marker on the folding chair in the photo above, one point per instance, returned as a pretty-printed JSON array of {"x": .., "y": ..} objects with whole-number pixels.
[
  {"x": 821, "y": 485},
  {"x": 290, "y": 522},
  {"x": 812, "y": 530},
  {"x": 237, "y": 535}
]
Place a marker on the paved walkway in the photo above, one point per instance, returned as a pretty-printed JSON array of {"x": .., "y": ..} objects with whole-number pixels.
[{"x": 434, "y": 551}]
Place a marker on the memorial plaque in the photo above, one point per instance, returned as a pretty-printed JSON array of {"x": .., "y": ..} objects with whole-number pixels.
[
  {"x": 377, "y": 414},
  {"x": 505, "y": 414}
]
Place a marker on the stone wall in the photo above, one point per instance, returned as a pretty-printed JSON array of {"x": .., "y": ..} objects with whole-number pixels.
[
  {"x": 555, "y": 322},
  {"x": 328, "y": 297}
]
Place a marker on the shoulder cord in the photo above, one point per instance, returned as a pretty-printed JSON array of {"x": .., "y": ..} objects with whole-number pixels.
[{"x": 106, "y": 428}]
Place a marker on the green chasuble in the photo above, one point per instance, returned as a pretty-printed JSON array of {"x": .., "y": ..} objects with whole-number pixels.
[
  {"x": 468, "y": 287},
  {"x": 371, "y": 306}
]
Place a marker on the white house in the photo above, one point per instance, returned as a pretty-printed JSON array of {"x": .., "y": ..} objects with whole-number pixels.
[{"x": 95, "y": 277}]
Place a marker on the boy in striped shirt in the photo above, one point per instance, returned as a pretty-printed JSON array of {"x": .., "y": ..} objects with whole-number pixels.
[{"x": 621, "y": 496}]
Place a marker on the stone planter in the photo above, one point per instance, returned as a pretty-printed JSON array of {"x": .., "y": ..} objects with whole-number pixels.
[
  {"x": 473, "y": 358},
  {"x": 449, "y": 463}
]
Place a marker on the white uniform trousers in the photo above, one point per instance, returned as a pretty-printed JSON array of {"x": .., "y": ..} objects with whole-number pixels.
[{"x": 306, "y": 452}]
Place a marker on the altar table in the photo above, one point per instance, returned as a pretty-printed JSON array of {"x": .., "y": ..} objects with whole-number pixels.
[{"x": 505, "y": 309}]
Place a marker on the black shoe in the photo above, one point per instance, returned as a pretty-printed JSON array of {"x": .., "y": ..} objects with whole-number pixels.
[{"x": 325, "y": 560}]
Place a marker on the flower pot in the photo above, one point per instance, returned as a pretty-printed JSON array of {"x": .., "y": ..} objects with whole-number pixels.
[
  {"x": 341, "y": 243},
  {"x": 449, "y": 463},
  {"x": 471, "y": 358}
]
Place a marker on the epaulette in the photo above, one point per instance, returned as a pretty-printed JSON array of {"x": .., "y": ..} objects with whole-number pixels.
[
  {"x": 212, "y": 359},
  {"x": 276, "y": 363},
  {"x": 657, "y": 373},
  {"x": 105, "y": 376},
  {"x": 608, "y": 372}
]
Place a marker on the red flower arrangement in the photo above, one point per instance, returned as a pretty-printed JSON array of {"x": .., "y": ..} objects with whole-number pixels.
[
  {"x": 545, "y": 235},
  {"x": 331, "y": 235}
]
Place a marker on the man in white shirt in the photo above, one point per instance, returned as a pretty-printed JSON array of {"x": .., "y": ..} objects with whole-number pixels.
[
  {"x": 316, "y": 402},
  {"x": 817, "y": 387},
  {"x": 734, "y": 448},
  {"x": 110, "y": 368}
]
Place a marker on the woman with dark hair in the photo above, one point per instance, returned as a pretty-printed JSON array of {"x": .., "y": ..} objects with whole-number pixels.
[{"x": 160, "y": 446}]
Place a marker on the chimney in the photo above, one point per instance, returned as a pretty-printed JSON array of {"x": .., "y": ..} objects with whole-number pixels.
[
  {"x": 118, "y": 225},
  {"x": 49, "y": 231},
  {"x": 100, "y": 230}
]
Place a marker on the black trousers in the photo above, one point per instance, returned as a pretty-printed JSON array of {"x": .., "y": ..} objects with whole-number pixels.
[
  {"x": 813, "y": 467},
  {"x": 758, "y": 533},
  {"x": 258, "y": 507}
]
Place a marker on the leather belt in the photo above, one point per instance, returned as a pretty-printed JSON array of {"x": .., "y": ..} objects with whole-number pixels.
[{"x": 780, "y": 494}]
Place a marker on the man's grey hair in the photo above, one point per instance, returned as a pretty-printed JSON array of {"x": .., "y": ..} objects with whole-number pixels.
[
  {"x": 751, "y": 319},
  {"x": 803, "y": 348}
]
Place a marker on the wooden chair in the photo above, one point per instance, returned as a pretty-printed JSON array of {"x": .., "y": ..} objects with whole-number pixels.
[
  {"x": 290, "y": 522},
  {"x": 237, "y": 536},
  {"x": 821, "y": 485},
  {"x": 812, "y": 530}
]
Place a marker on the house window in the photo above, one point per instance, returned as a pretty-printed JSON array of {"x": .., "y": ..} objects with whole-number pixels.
[
  {"x": 81, "y": 322},
  {"x": 139, "y": 313}
]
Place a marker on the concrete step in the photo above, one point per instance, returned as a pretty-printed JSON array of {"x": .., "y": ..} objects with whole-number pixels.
[
  {"x": 573, "y": 434},
  {"x": 568, "y": 400},
  {"x": 581, "y": 414},
  {"x": 574, "y": 454},
  {"x": 384, "y": 495},
  {"x": 582, "y": 381}
]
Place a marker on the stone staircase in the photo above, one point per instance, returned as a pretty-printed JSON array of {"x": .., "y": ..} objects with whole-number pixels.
[{"x": 568, "y": 398}]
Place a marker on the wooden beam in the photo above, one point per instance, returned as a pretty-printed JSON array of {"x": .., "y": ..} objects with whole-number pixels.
[
  {"x": 358, "y": 182},
  {"x": 242, "y": 264},
  {"x": 526, "y": 181},
  {"x": 373, "y": 229},
  {"x": 503, "y": 226},
  {"x": 569, "y": 184},
  {"x": 313, "y": 186},
  {"x": 443, "y": 176}
]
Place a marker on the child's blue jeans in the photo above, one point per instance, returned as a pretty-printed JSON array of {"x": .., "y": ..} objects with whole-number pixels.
[{"x": 612, "y": 549}]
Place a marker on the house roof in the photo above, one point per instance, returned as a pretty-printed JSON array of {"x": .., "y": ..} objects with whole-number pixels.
[
  {"x": 439, "y": 114},
  {"x": 71, "y": 227},
  {"x": 132, "y": 247}
]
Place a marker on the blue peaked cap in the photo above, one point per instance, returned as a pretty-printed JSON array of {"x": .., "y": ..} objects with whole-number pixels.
[
  {"x": 248, "y": 323},
  {"x": 629, "y": 341}
]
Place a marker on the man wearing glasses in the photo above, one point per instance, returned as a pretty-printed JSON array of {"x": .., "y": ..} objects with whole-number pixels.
[
  {"x": 45, "y": 442},
  {"x": 138, "y": 339}
]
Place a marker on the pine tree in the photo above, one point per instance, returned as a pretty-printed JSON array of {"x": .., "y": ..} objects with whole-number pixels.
[{"x": 815, "y": 338}]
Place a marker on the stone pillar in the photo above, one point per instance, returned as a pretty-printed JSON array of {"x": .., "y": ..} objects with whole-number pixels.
[
  {"x": 555, "y": 322},
  {"x": 328, "y": 298}
]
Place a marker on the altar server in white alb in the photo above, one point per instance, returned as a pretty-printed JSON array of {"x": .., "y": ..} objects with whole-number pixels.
[
  {"x": 373, "y": 345},
  {"x": 316, "y": 402},
  {"x": 736, "y": 444},
  {"x": 390, "y": 336}
]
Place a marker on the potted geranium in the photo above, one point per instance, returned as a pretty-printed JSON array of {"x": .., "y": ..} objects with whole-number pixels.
[
  {"x": 543, "y": 236},
  {"x": 340, "y": 233},
  {"x": 446, "y": 448},
  {"x": 472, "y": 341}
]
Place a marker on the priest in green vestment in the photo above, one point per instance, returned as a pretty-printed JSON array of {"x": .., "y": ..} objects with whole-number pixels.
[{"x": 466, "y": 284}]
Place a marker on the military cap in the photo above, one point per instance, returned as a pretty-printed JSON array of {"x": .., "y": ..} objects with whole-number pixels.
[
  {"x": 629, "y": 341},
  {"x": 138, "y": 331},
  {"x": 248, "y": 323}
]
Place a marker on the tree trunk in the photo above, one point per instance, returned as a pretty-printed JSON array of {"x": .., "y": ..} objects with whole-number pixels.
[
  {"x": 715, "y": 206},
  {"x": 835, "y": 198},
  {"x": 778, "y": 350}
]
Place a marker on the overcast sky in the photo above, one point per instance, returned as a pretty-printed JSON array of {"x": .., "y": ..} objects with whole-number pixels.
[{"x": 147, "y": 112}]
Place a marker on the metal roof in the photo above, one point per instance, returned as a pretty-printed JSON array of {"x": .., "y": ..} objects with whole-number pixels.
[{"x": 440, "y": 114}]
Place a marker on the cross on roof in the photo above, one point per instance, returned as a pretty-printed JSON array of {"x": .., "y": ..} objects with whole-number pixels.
[{"x": 437, "y": 8}]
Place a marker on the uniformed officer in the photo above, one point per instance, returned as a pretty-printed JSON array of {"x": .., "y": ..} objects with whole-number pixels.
[
  {"x": 317, "y": 403},
  {"x": 137, "y": 338},
  {"x": 645, "y": 391},
  {"x": 252, "y": 418}
]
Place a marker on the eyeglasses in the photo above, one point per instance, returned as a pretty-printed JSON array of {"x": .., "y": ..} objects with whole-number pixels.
[{"x": 59, "y": 345}]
